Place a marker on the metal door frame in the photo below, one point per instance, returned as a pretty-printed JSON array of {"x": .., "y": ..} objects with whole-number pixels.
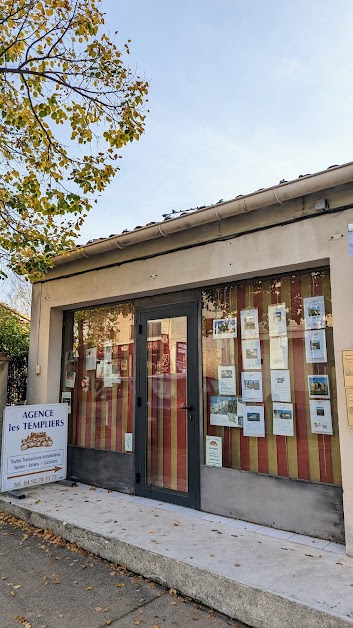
[{"x": 189, "y": 309}]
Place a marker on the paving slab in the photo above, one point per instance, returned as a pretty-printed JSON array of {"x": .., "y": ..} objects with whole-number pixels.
[{"x": 264, "y": 581}]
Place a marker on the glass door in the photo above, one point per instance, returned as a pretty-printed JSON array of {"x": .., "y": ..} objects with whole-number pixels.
[{"x": 167, "y": 405}]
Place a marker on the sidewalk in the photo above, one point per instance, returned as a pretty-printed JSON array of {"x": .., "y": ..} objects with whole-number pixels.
[{"x": 260, "y": 576}]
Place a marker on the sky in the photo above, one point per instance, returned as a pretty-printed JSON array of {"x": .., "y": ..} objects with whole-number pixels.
[{"x": 243, "y": 94}]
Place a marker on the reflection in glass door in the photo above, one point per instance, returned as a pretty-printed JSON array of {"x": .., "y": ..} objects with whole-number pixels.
[
  {"x": 167, "y": 420},
  {"x": 167, "y": 404}
]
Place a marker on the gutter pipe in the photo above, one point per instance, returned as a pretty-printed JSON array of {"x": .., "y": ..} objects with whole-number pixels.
[{"x": 279, "y": 194}]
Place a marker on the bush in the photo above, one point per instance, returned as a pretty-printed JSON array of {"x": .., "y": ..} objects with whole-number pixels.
[{"x": 14, "y": 333}]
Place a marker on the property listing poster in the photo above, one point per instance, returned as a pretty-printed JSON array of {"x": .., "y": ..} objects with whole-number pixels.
[
  {"x": 315, "y": 346},
  {"x": 279, "y": 352},
  {"x": 251, "y": 354},
  {"x": 226, "y": 411},
  {"x": 319, "y": 386},
  {"x": 283, "y": 422},
  {"x": 320, "y": 416},
  {"x": 277, "y": 320},
  {"x": 280, "y": 385},
  {"x": 224, "y": 328},
  {"x": 254, "y": 421},
  {"x": 226, "y": 380},
  {"x": 314, "y": 312},
  {"x": 251, "y": 382},
  {"x": 249, "y": 323}
]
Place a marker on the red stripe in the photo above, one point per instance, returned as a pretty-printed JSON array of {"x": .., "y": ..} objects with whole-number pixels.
[
  {"x": 281, "y": 445},
  {"x": 130, "y": 391},
  {"x": 244, "y": 440},
  {"x": 262, "y": 449},
  {"x": 108, "y": 413},
  {"x": 167, "y": 431},
  {"x": 211, "y": 429},
  {"x": 98, "y": 416},
  {"x": 76, "y": 438},
  {"x": 182, "y": 460},
  {"x": 299, "y": 384},
  {"x": 88, "y": 410},
  {"x": 153, "y": 453},
  {"x": 119, "y": 404}
]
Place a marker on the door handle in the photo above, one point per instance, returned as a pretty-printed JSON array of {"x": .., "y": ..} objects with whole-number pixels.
[{"x": 189, "y": 409}]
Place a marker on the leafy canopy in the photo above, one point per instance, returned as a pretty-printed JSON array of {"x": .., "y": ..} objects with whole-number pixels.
[
  {"x": 68, "y": 104},
  {"x": 14, "y": 333}
]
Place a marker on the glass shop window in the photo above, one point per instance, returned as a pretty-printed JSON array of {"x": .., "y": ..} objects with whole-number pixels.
[
  {"x": 269, "y": 382},
  {"x": 97, "y": 381}
]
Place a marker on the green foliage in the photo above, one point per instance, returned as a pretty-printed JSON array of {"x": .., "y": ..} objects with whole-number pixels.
[
  {"x": 68, "y": 104},
  {"x": 14, "y": 334}
]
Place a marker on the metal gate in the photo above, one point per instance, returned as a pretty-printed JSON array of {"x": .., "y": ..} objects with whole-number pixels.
[{"x": 17, "y": 381}]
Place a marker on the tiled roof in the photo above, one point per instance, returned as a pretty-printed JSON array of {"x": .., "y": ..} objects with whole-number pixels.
[{"x": 176, "y": 214}]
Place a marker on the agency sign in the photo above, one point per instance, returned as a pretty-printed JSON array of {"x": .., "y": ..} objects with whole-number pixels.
[{"x": 34, "y": 445}]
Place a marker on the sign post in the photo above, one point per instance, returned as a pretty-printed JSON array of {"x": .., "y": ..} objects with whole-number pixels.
[{"x": 34, "y": 445}]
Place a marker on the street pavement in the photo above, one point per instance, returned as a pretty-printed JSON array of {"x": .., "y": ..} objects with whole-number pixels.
[{"x": 46, "y": 582}]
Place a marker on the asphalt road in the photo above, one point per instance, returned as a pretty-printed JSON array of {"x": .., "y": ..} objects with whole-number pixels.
[{"x": 47, "y": 583}]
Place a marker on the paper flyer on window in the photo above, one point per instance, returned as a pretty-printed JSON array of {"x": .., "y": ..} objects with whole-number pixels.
[
  {"x": 254, "y": 421},
  {"x": 283, "y": 420},
  {"x": 279, "y": 352},
  {"x": 226, "y": 411},
  {"x": 213, "y": 451},
  {"x": 66, "y": 398},
  {"x": 108, "y": 349},
  {"x": 315, "y": 346},
  {"x": 226, "y": 380},
  {"x": 70, "y": 379},
  {"x": 280, "y": 385},
  {"x": 277, "y": 320},
  {"x": 319, "y": 386},
  {"x": 320, "y": 416},
  {"x": 251, "y": 382},
  {"x": 251, "y": 353},
  {"x": 249, "y": 323},
  {"x": 107, "y": 374},
  {"x": 314, "y": 312},
  {"x": 91, "y": 359}
]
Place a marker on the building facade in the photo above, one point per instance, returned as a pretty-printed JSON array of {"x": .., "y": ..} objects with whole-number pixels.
[{"x": 201, "y": 357}]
